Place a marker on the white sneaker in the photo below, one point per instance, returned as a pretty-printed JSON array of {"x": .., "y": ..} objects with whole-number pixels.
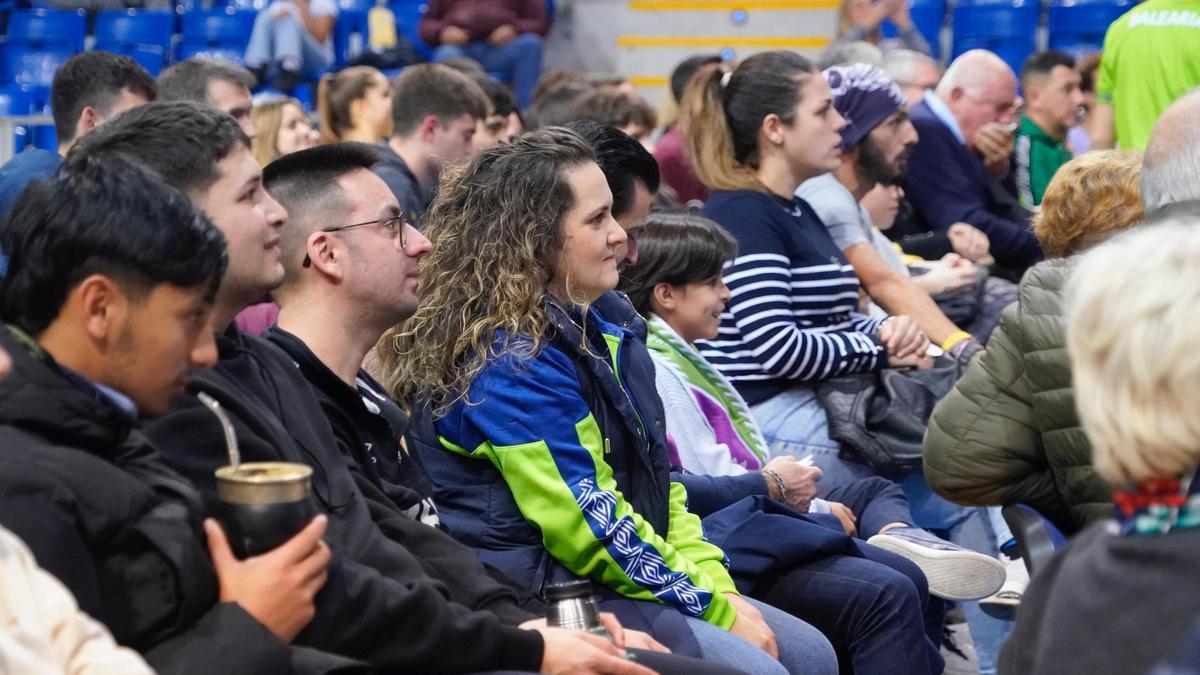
[
  {"x": 953, "y": 572},
  {"x": 1015, "y": 582}
]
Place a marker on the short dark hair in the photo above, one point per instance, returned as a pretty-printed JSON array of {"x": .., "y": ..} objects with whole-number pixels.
[
  {"x": 188, "y": 80},
  {"x": 617, "y": 109},
  {"x": 501, "y": 96},
  {"x": 94, "y": 79},
  {"x": 1041, "y": 63},
  {"x": 675, "y": 248},
  {"x": 433, "y": 89},
  {"x": 108, "y": 216},
  {"x": 622, "y": 159},
  {"x": 685, "y": 70},
  {"x": 558, "y": 105},
  {"x": 181, "y": 140},
  {"x": 305, "y": 183}
]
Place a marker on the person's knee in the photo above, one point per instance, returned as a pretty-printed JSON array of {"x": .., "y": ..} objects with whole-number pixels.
[
  {"x": 527, "y": 43},
  {"x": 447, "y": 52},
  {"x": 900, "y": 589}
]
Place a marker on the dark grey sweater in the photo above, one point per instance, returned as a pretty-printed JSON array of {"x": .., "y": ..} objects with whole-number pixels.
[{"x": 1107, "y": 604}]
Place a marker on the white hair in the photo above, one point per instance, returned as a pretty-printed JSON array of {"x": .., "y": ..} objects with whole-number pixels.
[
  {"x": 902, "y": 64},
  {"x": 973, "y": 71},
  {"x": 1171, "y": 166},
  {"x": 1132, "y": 336}
]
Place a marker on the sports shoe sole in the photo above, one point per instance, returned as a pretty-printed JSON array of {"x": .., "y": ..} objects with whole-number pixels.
[{"x": 953, "y": 575}]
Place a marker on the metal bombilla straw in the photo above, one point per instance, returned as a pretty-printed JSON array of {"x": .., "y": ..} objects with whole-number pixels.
[{"x": 231, "y": 444}]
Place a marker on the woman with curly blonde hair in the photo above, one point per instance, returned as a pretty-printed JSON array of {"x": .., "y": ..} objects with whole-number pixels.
[
  {"x": 533, "y": 419},
  {"x": 1009, "y": 432}
]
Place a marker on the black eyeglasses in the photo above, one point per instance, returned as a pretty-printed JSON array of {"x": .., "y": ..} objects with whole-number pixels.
[{"x": 394, "y": 226}]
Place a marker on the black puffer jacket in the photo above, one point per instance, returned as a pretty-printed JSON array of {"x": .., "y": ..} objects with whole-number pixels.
[{"x": 101, "y": 511}]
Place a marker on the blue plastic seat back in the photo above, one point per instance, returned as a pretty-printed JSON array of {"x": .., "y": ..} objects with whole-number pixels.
[
  {"x": 151, "y": 57},
  {"x": 408, "y": 16},
  {"x": 16, "y": 100},
  {"x": 996, "y": 19},
  {"x": 928, "y": 17},
  {"x": 1079, "y": 26},
  {"x": 135, "y": 28},
  {"x": 47, "y": 29},
  {"x": 219, "y": 28},
  {"x": 23, "y": 65}
]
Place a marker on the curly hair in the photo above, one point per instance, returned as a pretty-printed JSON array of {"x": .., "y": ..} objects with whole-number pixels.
[
  {"x": 497, "y": 228},
  {"x": 1090, "y": 198}
]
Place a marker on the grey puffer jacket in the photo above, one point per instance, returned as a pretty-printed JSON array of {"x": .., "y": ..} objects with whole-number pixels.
[{"x": 1009, "y": 432}]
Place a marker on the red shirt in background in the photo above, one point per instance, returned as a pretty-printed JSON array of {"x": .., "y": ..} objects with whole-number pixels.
[
  {"x": 676, "y": 167},
  {"x": 480, "y": 18}
]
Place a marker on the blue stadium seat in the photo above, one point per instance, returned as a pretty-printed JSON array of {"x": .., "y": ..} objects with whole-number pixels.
[
  {"x": 120, "y": 31},
  {"x": 408, "y": 15},
  {"x": 17, "y": 101},
  {"x": 1006, "y": 27},
  {"x": 928, "y": 16},
  {"x": 150, "y": 57},
  {"x": 1078, "y": 26},
  {"x": 352, "y": 20},
  {"x": 24, "y": 65},
  {"x": 47, "y": 29},
  {"x": 218, "y": 33}
]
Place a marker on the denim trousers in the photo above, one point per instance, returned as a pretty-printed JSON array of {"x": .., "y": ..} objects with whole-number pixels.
[
  {"x": 284, "y": 40},
  {"x": 519, "y": 62},
  {"x": 793, "y": 423},
  {"x": 803, "y": 650}
]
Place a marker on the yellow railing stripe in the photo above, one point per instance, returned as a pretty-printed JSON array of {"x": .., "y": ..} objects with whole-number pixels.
[
  {"x": 719, "y": 41},
  {"x": 726, "y": 5},
  {"x": 649, "y": 81}
]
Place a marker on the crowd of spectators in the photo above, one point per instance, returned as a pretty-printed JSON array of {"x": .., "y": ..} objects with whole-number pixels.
[{"x": 764, "y": 365}]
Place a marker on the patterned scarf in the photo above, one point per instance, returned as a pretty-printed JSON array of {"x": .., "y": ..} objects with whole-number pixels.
[
  {"x": 716, "y": 398},
  {"x": 1159, "y": 506}
]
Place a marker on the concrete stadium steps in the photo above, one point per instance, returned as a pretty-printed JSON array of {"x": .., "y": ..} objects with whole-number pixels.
[{"x": 645, "y": 39}]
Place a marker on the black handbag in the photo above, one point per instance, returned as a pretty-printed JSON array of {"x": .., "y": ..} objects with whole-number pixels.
[{"x": 879, "y": 418}]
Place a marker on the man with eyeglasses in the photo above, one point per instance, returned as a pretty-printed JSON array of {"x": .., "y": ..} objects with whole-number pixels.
[
  {"x": 344, "y": 286},
  {"x": 948, "y": 180}
]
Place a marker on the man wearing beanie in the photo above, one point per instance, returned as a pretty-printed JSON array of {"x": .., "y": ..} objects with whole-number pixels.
[{"x": 876, "y": 143}]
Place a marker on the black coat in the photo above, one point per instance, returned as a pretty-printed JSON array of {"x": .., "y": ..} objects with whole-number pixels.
[
  {"x": 102, "y": 512},
  {"x": 389, "y": 599}
]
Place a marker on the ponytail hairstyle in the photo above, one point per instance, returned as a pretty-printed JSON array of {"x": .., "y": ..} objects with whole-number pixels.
[
  {"x": 723, "y": 112},
  {"x": 335, "y": 94}
]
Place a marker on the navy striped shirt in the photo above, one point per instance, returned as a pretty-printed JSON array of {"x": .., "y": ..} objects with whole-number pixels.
[{"x": 794, "y": 312}]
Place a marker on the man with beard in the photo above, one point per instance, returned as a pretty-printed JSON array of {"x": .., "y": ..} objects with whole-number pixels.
[{"x": 876, "y": 144}]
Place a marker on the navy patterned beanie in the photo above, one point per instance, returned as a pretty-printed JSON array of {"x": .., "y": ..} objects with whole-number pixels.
[{"x": 865, "y": 96}]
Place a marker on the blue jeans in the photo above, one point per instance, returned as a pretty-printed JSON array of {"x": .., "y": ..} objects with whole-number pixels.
[
  {"x": 520, "y": 61},
  {"x": 286, "y": 43},
  {"x": 802, "y": 649},
  {"x": 875, "y": 610},
  {"x": 794, "y": 423}
]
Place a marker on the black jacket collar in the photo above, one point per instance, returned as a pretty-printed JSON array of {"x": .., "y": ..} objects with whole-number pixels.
[{"x": 38, "y": 397}]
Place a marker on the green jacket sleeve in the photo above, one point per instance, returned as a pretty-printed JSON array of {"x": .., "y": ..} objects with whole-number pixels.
[
  {"x": 687, "y": 536},
  {"x": 982, "y": 447}
]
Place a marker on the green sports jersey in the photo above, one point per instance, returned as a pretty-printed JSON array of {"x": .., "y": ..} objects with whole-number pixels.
[
  {"x": 1151, "y": 57},
  {"x": 1036, "y": 158}
]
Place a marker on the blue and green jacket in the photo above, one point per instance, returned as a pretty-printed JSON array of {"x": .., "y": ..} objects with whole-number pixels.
[{"x": 557, "y": 467}]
